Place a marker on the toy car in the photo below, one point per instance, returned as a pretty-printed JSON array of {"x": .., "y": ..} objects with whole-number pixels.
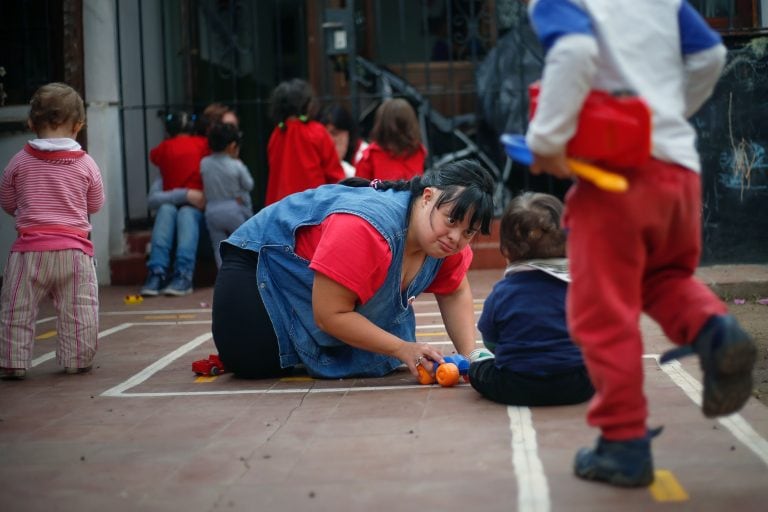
[{"x": 208, "y": 367}]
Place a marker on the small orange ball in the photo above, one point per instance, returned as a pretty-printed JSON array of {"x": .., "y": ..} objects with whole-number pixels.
[
  {"x": 424, "y": 376},
  {"x": 447, "y": 374}
]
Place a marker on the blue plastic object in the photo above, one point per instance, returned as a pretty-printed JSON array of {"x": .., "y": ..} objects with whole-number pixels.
[
  {"x": 516, "y": 148},
  {"x": 461, "y": 362}
]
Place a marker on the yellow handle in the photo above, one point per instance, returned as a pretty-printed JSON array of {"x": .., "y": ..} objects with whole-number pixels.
[{"x": 600, "y": 177}]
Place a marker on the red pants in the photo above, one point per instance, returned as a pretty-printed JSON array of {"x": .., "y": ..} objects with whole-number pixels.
[{"x": 630, "y": 253}]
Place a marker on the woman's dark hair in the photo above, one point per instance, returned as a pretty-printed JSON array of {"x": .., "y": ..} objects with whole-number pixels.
[
  {"x": 211, "y": 115},
  {"x": 178, "y": 122},
  {"x": 530, "y": 227},
  {"x": 464, "y": 184},
  {"x": 292, "y": 98},
  {"x": 221, "y": 135},
  {"x": 340, "y": 117},
  {"x": 396, "y": 128}
]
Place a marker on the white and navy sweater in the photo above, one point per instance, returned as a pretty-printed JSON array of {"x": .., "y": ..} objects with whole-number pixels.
[{"x": 662, "y": 50}]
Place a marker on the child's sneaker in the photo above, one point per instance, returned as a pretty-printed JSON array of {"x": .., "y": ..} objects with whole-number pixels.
[
  {"x": 13, "y": 373},
  {"x": 72, "y": 370},
  {"x": 479, "y": 354},
  {"x": 622, "y": 463},
  {"x": 180, "y": 285},
  {"x": 153, "y": 284}
]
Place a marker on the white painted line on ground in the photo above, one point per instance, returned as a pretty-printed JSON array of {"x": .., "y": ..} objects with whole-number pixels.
[
  {"x": 156, "y": 366},
  {"x": 532, "y": 487},
  {"x": 735, "y": 423},
  {"x": 43, "y": 358},
  {"x": 144, "y": 312},
  {"x": 434, "y": 302},
  {"x": 50, "y": 355},
  {"x": 150, "y": 312},
  {"x": 146, "y": 373},
  {"x": 174, "y": 322},
  {"x": 270, "y": 391}
]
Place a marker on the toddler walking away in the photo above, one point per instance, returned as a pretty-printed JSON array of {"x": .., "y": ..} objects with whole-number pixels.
[
  {"x": 177, "y": 196},
  {"x": 396, "y": 151},
  {"x": 637, "y": 251},
  {"x": 227, "y": 184},
  {"x": 300, "y": 153},
  {"x": 523, "y": 319},
  {"x": 50, "y": 187},
  {"x": 346, "y": 136}
]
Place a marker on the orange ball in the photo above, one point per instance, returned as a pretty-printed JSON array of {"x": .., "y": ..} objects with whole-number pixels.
[
  {"x": 447, "y": 374},
  {"x": 424, "y": 376}
]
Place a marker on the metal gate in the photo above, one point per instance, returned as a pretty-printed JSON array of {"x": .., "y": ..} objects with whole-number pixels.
[{"x": 185, "y": 54}]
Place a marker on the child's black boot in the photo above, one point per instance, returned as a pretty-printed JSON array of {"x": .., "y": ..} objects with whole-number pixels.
[
  {"x": 727, "y": 355},
  {"x": 626, "y": 463}
]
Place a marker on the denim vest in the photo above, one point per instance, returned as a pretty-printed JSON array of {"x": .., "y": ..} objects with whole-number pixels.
[{"x": 285, "y": 279}]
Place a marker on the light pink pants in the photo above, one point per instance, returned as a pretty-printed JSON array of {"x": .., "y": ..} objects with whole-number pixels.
[{"x": 69, "y": 278}]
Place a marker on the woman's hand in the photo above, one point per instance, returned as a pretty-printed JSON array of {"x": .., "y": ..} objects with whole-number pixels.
[
  {"x": 415, "y": 354},
  {"x": 196, "y": 198},
  {"x": 333, "y": 307},
  {"x": 556, "y": 165}
]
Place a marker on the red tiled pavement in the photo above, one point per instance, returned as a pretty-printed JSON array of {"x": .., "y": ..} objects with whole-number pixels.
[{"x": 139, "y": 433}]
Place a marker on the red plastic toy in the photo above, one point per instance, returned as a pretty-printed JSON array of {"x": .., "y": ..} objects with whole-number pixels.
[
  {"x": 613, "y": 129},
  {"x": 209, "y": 367}
]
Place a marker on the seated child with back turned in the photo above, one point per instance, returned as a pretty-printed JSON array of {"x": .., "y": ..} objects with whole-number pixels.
[
  {"x": 523, "y": 321},
  {"x": 396, "y": 151}
]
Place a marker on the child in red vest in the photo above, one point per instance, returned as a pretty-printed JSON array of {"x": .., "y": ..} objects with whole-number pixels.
[
  {"x": 300, "y": 152},
  {"x": 396, "y": 151}
]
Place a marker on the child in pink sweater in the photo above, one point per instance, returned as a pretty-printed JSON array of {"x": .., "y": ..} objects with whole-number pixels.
[{"x": 50, "y": 187}]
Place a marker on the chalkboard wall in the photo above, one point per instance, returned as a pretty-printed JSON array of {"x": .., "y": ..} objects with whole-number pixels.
[{"x": 733, "y": 137}]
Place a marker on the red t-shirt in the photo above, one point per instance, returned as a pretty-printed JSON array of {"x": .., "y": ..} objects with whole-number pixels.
[
  {"x": 378, "y": 163},
  {"x": 301, "y": 156},
  {"x": 348, "y": 250},
  {"x": 179, "y": 161}
]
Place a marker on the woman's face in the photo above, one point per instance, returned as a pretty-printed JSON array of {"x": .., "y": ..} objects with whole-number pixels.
[
  {"x": 230, "y": 117},
  {"x": 340, "y": 139},
  {"x": 436, "y": 232}
]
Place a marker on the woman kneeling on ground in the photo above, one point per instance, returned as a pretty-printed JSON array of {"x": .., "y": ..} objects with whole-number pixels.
[{"x": 326, "y": 278}]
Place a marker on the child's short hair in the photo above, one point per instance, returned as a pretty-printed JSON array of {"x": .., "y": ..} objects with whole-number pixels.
[
  {"x": 178, "y": 122},
  {"x": 221, "y": 135},
  {"x": 54, "y": 105},
  {"x": 530, "y": 227},
  {"x": 292, "y": 98},
  {"x": 396, "y": 128}
]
